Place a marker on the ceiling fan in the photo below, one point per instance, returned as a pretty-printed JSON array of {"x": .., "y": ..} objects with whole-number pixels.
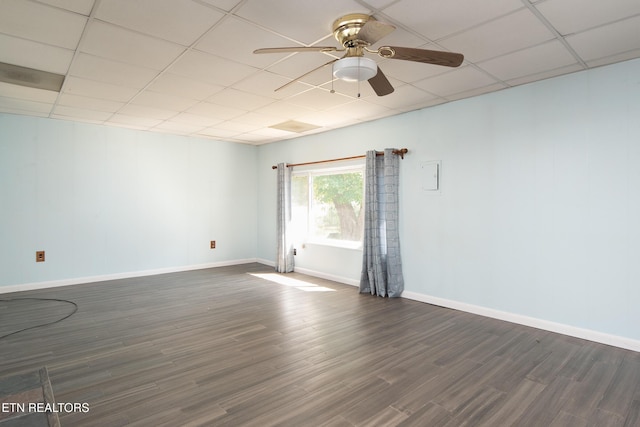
[{"x": 355, "y": 33}]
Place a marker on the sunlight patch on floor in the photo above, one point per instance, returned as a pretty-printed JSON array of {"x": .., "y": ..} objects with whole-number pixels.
[{"x": 291, "y": 282}]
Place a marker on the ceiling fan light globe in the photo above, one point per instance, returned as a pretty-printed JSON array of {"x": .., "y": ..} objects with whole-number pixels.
[{"x": 355, "y": 68}]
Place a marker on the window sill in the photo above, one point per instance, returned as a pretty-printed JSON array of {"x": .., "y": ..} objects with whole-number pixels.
[{"x": 336, "y": 244}]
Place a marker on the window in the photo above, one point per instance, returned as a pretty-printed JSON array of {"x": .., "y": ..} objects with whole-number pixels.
[{"x": 326, "y": 206}]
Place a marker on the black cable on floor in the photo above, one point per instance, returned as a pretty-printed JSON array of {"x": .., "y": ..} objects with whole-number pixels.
[{"x": 44, "y": 324}]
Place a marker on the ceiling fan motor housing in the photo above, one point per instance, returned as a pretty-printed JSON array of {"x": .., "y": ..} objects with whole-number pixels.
[{"x": 346, "y": 29}]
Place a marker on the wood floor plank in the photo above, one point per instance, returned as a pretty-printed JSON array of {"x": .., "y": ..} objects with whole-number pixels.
[
  {"x": 633, "y": 418},
  {"x": 230, "y": 346},
  {"x": 624, "y": 384},
  {"x": 514, "y": 404}
]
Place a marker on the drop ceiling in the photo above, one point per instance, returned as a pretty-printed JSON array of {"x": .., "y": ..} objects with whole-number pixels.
[{"x": 187, "y": 66}]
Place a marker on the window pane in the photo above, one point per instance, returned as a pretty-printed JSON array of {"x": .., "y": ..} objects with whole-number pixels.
[
  {"x": 337, "y": 206},
  {"x": 299, "y": 205}
]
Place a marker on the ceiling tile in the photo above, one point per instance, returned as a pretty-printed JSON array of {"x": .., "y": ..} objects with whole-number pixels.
[
  {"x": 408, "y": 71},
  {"x": 332, "y": 118},
  {"x": 27, "y": 93},
  {"x": 236, "y": 39},
  {"x": 195, "y": 120},
  {"x": 62, "y": 111},
  {"x": 419, "y": 105},
  {"x": 181, "y": 128},
  {"x": 476, "y": 91},
  {"x": 218, "y": 133},
  {"x": 359, "y": 110},
  {"x": 402, "y": 95},
  {"x": 82, "y": 7},
  {"x": 379, "y": 4},
  {"x": 173, "y": 84},
  {"x": 210, "y": 69},
  {"x": 237, "y": 127},
  {"x": 239, "y": 99},
  {"x": 544, "y": 75},
  {"x": 399, "y": 37},
  {"x": 266, "y": 83},
  {"x": 299, "y": 64},
  {"x": 215, "y": 111},
  {"x": 319, "y": 75},
  {"x": 630, "y": 54},
  {"x": 97, "y": 104},
  {"x": 109, "y": 71},
  {"x": 318, "y": 99},
  {"x": 534, "y": 60},
  {"x": 350, "y": 89},
  {"x": 40, "y": 56},
  {"x": 162, "y": 100},
  {"x": 284, "y": 110},
  {"x": 275, "y": 134},
  {"x": 572, "y": 16},
  {"x": 178, "y": 21},
  {"x": 459, "y": 80},
  {"x": 24, "y": 106},
  {"x": 253, "y": 139},
  {"x": 134, "y": 122},
  {"x": 607, "y": 40},
  {"x": 93, "y": 89},
  {"x": 303, "y": 21},
  {"x": 488, "y": 40},
  {"x": 41, "y": 23},
  {"x": 258, "y": 119},
  {"x": 123, "y": 45},
  {"x": 147, "y": 112},
  {"x": 226, "y": 5},
  {"x": 436, "y": 19}
]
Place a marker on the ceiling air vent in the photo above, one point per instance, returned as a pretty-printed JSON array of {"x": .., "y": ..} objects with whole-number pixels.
[
  {"x": 294, "y": 126},
  {"x": 23, "y": 76}
]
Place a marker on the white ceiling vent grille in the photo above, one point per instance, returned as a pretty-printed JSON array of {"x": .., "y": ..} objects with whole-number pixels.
[{"x": 294, "y": 126}]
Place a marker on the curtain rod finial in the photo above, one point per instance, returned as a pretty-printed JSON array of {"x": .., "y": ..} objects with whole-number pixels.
[{"x": 401, "y": 152}]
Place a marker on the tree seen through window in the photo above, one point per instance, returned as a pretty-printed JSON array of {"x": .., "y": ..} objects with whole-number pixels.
[{"x": 328, "y": 206}]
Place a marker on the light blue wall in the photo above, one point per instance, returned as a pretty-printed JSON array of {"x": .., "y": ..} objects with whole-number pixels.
[
  {"x": 537, "y": 214},
  {"x": 102, "y": 200},
  {"x": 539, "y": 207}
]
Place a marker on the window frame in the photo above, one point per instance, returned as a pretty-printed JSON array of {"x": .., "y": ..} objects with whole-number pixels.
[{"x": 313, "y": 171}]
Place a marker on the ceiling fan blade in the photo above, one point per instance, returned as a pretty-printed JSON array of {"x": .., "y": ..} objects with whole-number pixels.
[
  {"x": 373, "y": 31},
  {"x": 437, "y": 57},
  {"x": 305, "y": 75},
  {"x": 380, "y": 84},
  {"x": 296, "y": 49}
]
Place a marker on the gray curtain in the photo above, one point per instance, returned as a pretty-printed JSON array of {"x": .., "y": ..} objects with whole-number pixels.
[
  {"x": 381, "y": 263},
  {"x": 284, "y": 261}
]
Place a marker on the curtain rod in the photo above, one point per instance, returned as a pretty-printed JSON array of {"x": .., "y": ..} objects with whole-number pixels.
[{"x": 401, "y": 152}]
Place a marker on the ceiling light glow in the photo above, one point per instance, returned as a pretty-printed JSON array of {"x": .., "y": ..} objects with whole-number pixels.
[{"x": 355, "y": 68}]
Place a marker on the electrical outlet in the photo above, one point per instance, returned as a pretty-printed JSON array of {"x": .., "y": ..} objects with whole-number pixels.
[
  {"x": 39, "y": 256},
  {"x": 213, "y": 244}
]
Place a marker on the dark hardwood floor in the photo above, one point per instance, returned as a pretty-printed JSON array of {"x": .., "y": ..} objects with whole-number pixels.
[{"x": 225, "y": 347}]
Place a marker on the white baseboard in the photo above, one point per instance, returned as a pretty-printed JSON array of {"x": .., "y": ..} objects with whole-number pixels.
[
  {"x": 266, "y": 262},
  {"x": 116, "y": 276},
  {"x": 587, "y": 334},
  {"x": 322, "y": 275}
]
